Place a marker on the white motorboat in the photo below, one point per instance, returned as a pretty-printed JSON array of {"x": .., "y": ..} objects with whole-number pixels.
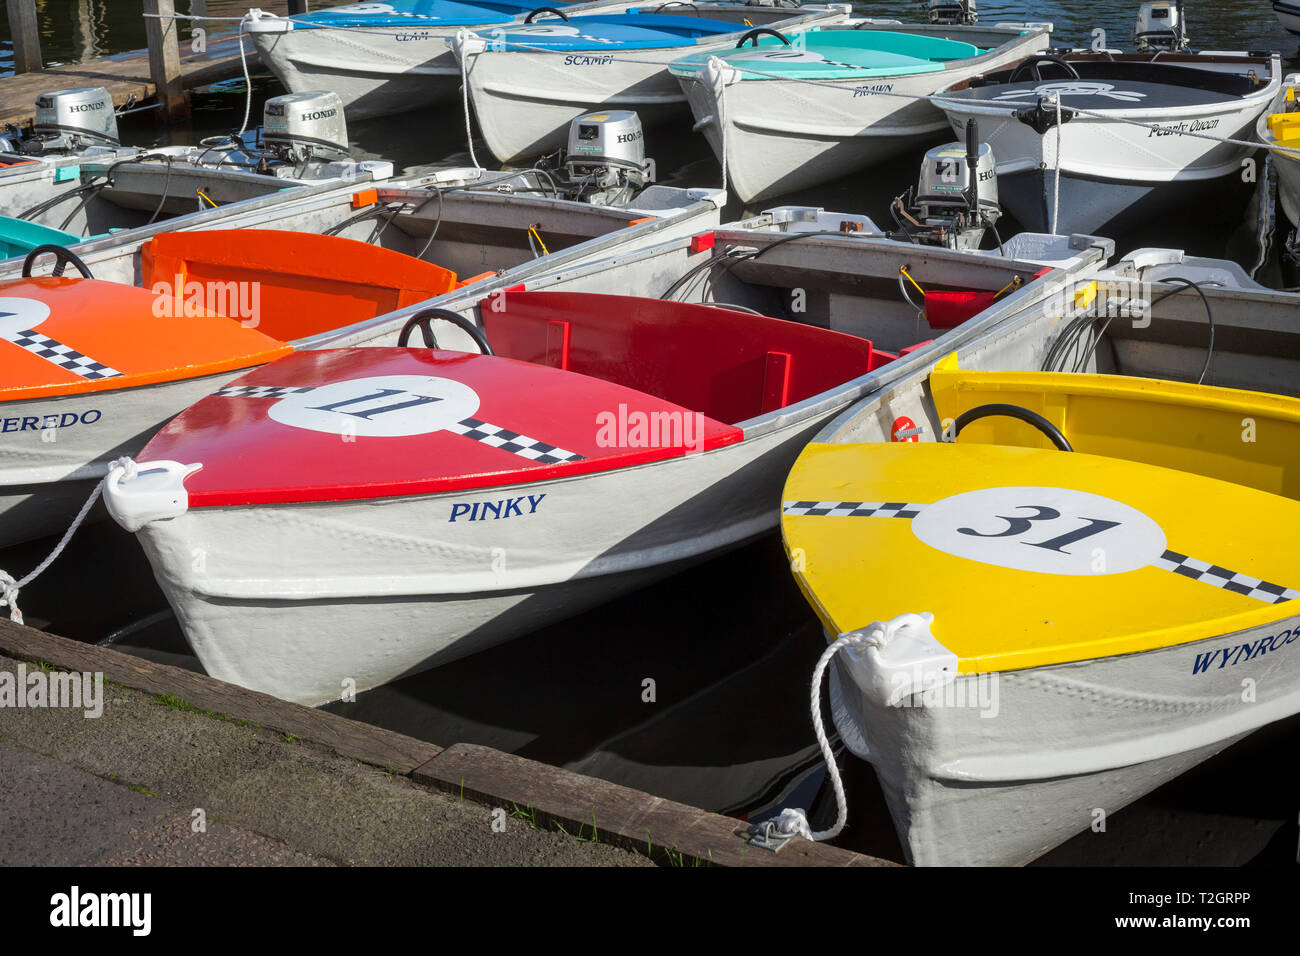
[
  {"x": 1288, "y": 14},
  {"x": 1138, "y": 134},
  {"x": 381, "y": 58},
  {"x": 71, "y": 180},
  {"x": 341, "y": 264},
  {"x": 1092, "y": 590},
  {"x": 1279, "y": 126},
  {"x": 798, "y": 111},
  {"x": 497, "y": 500},
  {"x": 527, "y": 82}
]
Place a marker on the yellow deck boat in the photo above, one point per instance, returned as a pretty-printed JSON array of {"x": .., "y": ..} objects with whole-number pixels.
[{"x": 1086, "y": 585}]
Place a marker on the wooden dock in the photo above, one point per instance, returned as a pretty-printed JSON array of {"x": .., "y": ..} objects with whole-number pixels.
[
  {"x": 664, "y": 830},
  {"x": 124, "y": 75}
]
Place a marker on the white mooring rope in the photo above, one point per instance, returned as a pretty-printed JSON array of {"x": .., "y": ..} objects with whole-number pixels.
[
  {"x": 1056, "y": 164},
  {"x": 461, "y": 53},
  {"x": 714, "y": 75},
  {"x": 248, "y": 82},
  {"x": 793, "y": 821},
  {"x": 9, "y": 588}
]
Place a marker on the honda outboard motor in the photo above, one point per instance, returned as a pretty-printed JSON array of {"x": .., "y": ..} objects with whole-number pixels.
[
  {"x": 300, "y": 133},
  {"x": 956, "y": 197},
  {"x": 66, "y": 122},
  {"x": 605, "y": 162},
  {"x": 951, "y": 11},
  {"x": 1160, "y": 26},
  {"x": 298, "y": 128}
]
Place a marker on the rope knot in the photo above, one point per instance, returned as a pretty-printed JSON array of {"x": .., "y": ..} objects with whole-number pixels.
[
  {"x": 128, "y": 466},
  {"x": 9, "y": 596},
  {"x": 794, "y": 822}
]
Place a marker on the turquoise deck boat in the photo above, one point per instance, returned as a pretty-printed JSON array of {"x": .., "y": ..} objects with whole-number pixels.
[{"x": 793, "y": 111}]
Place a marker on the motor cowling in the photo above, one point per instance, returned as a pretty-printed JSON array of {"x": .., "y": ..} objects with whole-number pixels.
[
  {"x": 945, "y": 182},
  {"x": 952, "y": 11},
  {"x": 303, "y": 127},
  {"x": 69, "y": 121},
  {"x": 1160, "y": 26},
  {"x": 605, "y": 160},
  {"x": 956, "y": 196}
]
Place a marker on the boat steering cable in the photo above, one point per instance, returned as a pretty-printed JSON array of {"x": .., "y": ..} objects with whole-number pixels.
[
  {"x": 1068, "y": 341},
  {"x": 999, "y": 409},
  {"x": 63, "y": 257},
  {"x": 1209, "y": 316},
  {"x": 88, "y": 190},
  {"x": 733, "y": 257}
]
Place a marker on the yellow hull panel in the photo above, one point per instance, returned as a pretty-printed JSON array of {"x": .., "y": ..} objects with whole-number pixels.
[{"x": 1047, "y": 557}]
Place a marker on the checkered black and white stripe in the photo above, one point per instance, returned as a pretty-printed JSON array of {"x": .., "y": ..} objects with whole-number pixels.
[
  {"x": 1199, "y": 570},
  {"x": 852, "y": 509},
  {"x": 258, "y": 391},
  {"x": 513, "y": 442},
  {"x": 64, "y": 356}
]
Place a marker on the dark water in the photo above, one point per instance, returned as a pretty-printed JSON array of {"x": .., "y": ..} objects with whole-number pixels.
[{"x": 730, "y": 645}]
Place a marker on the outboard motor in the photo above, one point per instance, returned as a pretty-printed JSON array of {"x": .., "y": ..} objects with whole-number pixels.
[
  {"x": 956, "y": 197},
  {"x": 1160, "y": 26},
  {"x": 66, "y": 122},
  {"x": 298, "y": 128},
  {"x": 604, "y": 163},
  {"x": 951, "y": 11}
]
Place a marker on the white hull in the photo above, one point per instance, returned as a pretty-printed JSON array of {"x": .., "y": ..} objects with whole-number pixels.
[
  {"x": 524, "y": 101},
  {"x": 375, "y": 71},
  {"x": 1287, "y": 164},
  {"x": 1065, "y": 745},
  {"x": 297, "y": 599},
  {"x": 1288, "y": 185},
  {"x": 786, "y": 135},
  {"x": 1289, "y": 16},
  {"x": 26, "y": 186},
  {"x": 1107, "y": 166},
  {"x": 47, "y": 473}
]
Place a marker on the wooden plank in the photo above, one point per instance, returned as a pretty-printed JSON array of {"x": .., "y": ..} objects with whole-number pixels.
[
  {"x": 372, "y": 745},
  {"x": 124, "y": 75},
  {"x": 162, "y": 27},
  {"x": 26, "y": 35},
  {"x": 587, "y": 807}
]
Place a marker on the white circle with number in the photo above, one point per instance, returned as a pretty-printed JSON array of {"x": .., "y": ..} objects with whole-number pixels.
[
  {"x": 784, "y": 54},
  {"x": 21, "y": 315},
  {"x": 1048, "y": 530},
  {"x": 382, "y": 406}
]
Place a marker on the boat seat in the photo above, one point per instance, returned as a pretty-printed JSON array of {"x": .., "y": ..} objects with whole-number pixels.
[
  {"x": 1248, "y": 438},
  {"x": 19, "y": 237},
  {"x": 723, "y": 363},
  {"x": 307, "y": 283}
]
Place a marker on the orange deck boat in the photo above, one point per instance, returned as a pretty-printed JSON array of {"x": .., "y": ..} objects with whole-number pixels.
[{"x": 89, "y": 369}]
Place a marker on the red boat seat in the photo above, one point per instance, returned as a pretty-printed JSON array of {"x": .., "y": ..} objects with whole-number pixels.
[{"x": 724, "y": 363}]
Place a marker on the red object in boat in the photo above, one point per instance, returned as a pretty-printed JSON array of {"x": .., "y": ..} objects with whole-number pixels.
[
  {"x": 904, "y": 429},
  {"x": 947, "y": 310},
  {"x": 581, "y": 383}
]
